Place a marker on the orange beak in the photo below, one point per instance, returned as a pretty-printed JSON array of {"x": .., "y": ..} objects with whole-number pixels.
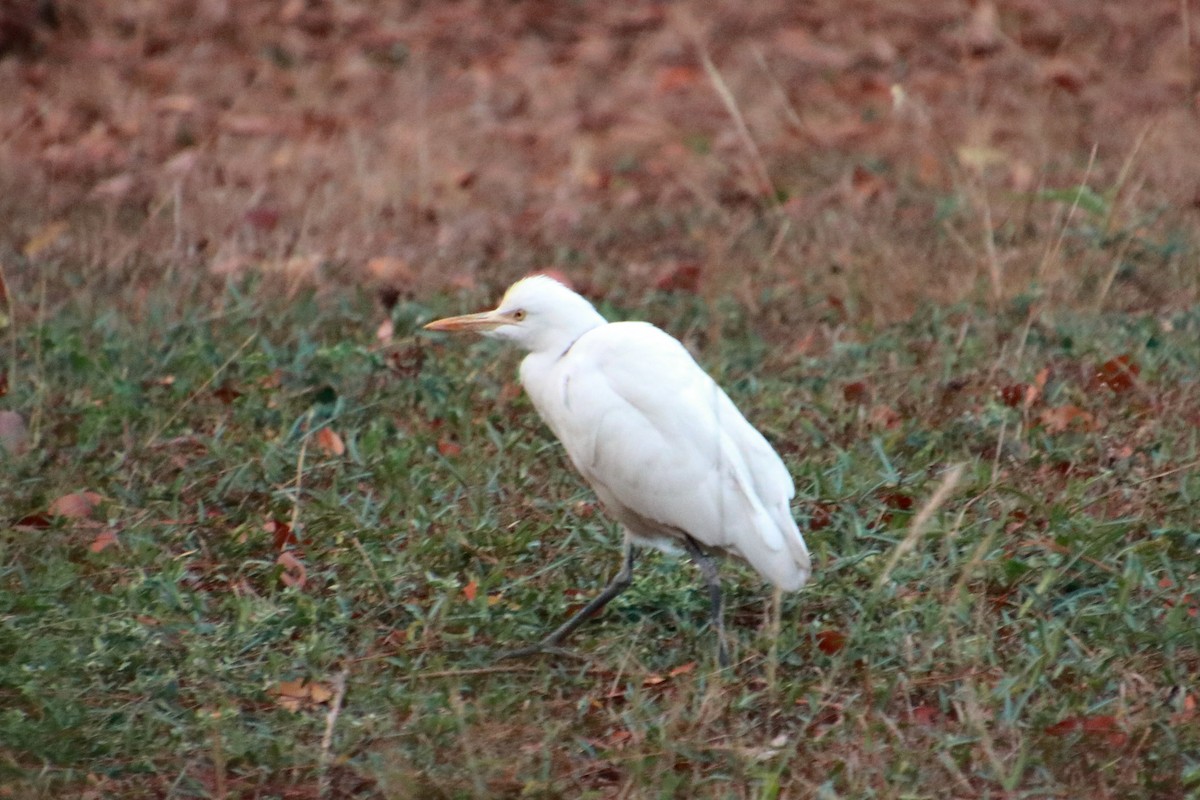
[{"x": 485, "y": 321}]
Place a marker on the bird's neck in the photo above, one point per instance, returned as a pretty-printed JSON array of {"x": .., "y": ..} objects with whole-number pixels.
[{"x": 558, "y": 342}]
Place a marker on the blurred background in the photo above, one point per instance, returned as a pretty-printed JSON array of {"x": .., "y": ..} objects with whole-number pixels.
[{"x": 803, "y": 154}]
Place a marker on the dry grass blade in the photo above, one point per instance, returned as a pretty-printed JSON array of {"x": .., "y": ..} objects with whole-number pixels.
[{"x": 921, "y": 521}]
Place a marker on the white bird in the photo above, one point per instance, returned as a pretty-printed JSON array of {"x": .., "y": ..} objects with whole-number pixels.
[{"x": 665, "y": 449}]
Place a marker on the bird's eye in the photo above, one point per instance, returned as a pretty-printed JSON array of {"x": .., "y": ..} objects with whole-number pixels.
[{"x": 519, "y": 314}]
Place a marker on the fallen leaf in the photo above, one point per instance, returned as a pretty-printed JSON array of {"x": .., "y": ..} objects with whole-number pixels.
[
  {"x": 830, "y": 641},
  {"x": 1118, "y": 374},
  {"x": 103, "y": 541},
  {"x": 294, "y": 572},
  {"x": 1012, "y": 394},
  {"x": 679, "y": 277},
  {"x": 897, "y": 500},
  {"x": 682, "y": 669},
  {"x": 1058, "y": 419},
  {"x": 882, "y": 416},
  {"x": 77, "y": 505},
  {"x": 865, "y": 186},
  {"x": 1102, "y": 726},
  {"x": 925, "y": 715},
  {"x": 448, "y": 448},
  {"x": 296, "y": 695},
  {"x": 330, "y": 443},
  {"x": 856, "y": 392},
  {"x": 390, "y": 269},
  {"x": 282, "y": 535},
  {"x": 14, "y": 434},
  {"x": 263, "y": 218},
  {"x": 226, "y": 393},
  {"x": 471, "y": 590}
]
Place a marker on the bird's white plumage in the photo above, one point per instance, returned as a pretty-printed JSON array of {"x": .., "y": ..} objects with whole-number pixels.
[{"x": 665, "y": 449}]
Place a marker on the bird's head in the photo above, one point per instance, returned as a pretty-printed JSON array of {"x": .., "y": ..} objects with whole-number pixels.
[{"x": 537, "y": 313}]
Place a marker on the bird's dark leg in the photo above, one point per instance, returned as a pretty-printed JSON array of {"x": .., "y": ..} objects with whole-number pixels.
[
  {"x": 708, "y": 568},
  {"x": 618, "y": 584}
]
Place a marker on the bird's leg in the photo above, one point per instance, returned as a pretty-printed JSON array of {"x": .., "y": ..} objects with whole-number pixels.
[
  {"x": 618, "y": 584},
  {"x": 708, "y": 568}
]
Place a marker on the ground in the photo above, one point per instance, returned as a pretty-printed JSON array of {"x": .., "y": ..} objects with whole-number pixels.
[{"x": 262, "y": 537}]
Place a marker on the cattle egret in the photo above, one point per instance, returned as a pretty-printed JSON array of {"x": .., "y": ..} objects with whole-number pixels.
[{"x": 665, "y": 449}]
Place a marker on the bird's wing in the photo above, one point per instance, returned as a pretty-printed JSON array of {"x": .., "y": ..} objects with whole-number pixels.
[{"x": 660, "y": 441}]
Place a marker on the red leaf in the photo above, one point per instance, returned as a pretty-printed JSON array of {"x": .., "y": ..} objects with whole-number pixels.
[
  {"x": 830, "y": 641},
  {"x": 263, "y": 218},
  {"x": 1012, "y": 395},
  {"x": 226, "y": 394},
  {"x": 820, "y": 516},
  {"x": 36, "y": 521},
  {"x": 856, "y": 392},
  {"x": 925, "y": 715},
  {"x": 330, "y": 443},
  {"x": 103, "y": 541},
  {"x": 897, "y": 500},
  {"x": 281, "y": 533},
  {"x": 1058, "y": 419},
  {"x": 1119, "y": 374},
  {"x": 680, "y": 277},
  {"x": 1102, "y": 726},
  {"x": 838, "y": 305},
  {"x": 448, "y": 448},
  {"x": 471, "y": 590}
]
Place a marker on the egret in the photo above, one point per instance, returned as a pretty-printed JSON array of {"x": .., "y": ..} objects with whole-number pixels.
[{"x": 663, "y": 447}]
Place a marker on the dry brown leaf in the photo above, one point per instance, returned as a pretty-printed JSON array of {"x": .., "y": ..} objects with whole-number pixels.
[
  {"x": 103, "y": 541},
  {"x": 14, "y": 434},
  {"x": 1058, "y": 419},
  {"x": 77, "y": 505},
  {"x": 390, "y": 270},
  {"x": 883, "y": 416},
  {"x": 294, "y": 572},
  {"x": 330, "y": 443},
  {"x": 296, "y": 695}
]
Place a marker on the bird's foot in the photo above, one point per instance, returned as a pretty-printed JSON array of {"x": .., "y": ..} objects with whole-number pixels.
[{"x": 540, "y": 649}]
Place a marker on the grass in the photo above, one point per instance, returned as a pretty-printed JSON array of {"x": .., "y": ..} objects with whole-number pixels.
[{"x": 1040, "y": 639}]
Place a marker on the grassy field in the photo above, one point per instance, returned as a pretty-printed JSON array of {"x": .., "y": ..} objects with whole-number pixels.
[
  {"x": 305, "y": 546},
  {"x": 260, "y": 537}
]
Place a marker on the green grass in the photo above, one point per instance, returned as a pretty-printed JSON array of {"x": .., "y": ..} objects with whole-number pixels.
[{"x": 1040, "y": 640}]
